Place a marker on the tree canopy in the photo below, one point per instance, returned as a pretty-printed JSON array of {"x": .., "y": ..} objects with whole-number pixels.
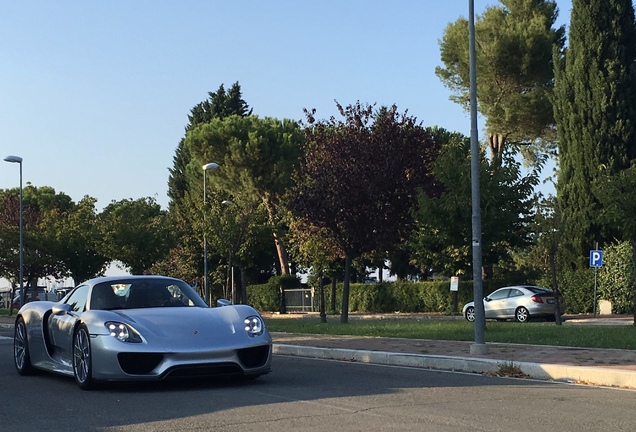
[
  {"x": 360, "y": 177},
  {"x": 595, "y": 108},
  {"x": 514, "y": 71}
]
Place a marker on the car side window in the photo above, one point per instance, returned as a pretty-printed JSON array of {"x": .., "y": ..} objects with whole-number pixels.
[
  {"x": 77, "y": 299},
  {"x": 515, "y": 293},
  {"x": 499, "y": 295}
]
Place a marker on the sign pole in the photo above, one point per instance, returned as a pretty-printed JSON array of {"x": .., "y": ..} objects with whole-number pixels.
[{"x": 596, "y": 261}]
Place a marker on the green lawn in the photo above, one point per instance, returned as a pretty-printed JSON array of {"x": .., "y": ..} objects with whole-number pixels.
[{"x": 540, "y": 333}]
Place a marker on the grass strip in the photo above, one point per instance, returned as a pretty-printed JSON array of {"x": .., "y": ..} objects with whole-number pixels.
[{"x": 534, "y": 333}]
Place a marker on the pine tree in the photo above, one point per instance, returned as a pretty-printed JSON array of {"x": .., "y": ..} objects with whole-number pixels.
[{"x": 594, "y": 106}]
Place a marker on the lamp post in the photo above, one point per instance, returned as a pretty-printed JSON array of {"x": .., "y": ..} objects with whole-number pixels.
[
  {"x": 18, "y": 160},
  {"x": 206, "y": 167},
  {"x": 479, "y": 347}
]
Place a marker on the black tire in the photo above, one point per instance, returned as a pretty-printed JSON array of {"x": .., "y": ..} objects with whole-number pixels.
[
  {"x": 82, "y": 358},
  {"x": 522, "y": 315},
  {"x": 470, "y": 313},
  {"x": 21, "y": 355}
]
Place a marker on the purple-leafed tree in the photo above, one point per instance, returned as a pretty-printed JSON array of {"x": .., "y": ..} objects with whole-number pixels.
[{"x": 360, "y": 179}]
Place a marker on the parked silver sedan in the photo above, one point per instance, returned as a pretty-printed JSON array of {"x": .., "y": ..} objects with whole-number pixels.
[{"x": 520, "y": 303}]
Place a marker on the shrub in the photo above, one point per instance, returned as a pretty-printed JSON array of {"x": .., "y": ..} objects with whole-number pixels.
[
  {"x": 268, "y": 297},
  {"x": 615, "y": 278}
]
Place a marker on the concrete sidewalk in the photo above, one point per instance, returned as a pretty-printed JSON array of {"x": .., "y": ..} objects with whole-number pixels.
[{"x": 604, "y": 367}]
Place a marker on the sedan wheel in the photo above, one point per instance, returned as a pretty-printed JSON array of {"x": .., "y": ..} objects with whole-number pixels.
[
  {"x": 82, "y": 362},
  {"x": 470, "y": 313},
  {"x": 522, "y": 315},
  {"x": 21, "y": 356}
]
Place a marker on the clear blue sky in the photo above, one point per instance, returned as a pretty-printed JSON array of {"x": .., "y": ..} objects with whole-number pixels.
[{"x": 94, "y": 95}]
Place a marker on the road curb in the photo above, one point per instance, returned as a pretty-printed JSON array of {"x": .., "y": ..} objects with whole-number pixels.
[{"x": 551, "y": 372}]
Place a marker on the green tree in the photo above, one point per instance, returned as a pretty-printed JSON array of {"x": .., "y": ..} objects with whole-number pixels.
[
  {"x": 42, "y": 255},
  {"x": 184, "y": 185},
  {"x": 256, "y": 158},
  {"x": 79, "y": 239},
  {"x": 135, "y": 232},
  {"x": 594, "y": 105},
  {"x": 360, "y": 177},
  {"x": 314, "y": 248},
  {"x": 514, "y": 69},
  {"x": 220, "y": 104},
  {"x": 617, "y": 194},
  {"x": 443, "y": 237}
]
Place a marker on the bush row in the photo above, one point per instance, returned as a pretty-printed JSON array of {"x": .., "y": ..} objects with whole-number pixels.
[{"x": 387, "y": 297}]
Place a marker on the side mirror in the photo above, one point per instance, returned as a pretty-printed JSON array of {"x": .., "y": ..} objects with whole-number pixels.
[
  {"x": 487, "y": 299},
  {"x": 223, "y": 302},
  {"x": 61, "y": 309}
]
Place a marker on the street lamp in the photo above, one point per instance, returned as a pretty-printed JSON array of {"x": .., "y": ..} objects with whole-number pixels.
[
  {"x": 206, "y": 167},
  {"x": 18, "y": 159},
  {"x": 479, "y": 347}
]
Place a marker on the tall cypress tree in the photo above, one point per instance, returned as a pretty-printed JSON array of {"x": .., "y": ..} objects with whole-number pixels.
[
  {"x": 220, "y": 104},
  {"x": 594, "y": 107}
]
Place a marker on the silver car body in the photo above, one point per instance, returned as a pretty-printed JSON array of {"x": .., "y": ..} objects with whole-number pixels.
[
  {"x": 190, "y": 340},
  {"x": 519, "y": 302}
]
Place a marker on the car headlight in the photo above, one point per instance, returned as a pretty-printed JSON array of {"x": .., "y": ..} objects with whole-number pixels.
[
  {"x": 122, "y": 332},
  {"x": 254, "y": 325}
]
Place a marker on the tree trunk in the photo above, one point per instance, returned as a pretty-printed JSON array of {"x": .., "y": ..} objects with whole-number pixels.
[
  {"x": 334, "y": 285},
  {"x": 496, "y": 143},
  {"x": 280, "y": 247},
  {"x": 486, "y": 272},
  {"x": 321, "y": 285},
  {"x": 243, "y": 286},
  {"x": 227, "y": 291},
  {"x": 344, "y": 316},
  {"x": 555, "y": 288}
]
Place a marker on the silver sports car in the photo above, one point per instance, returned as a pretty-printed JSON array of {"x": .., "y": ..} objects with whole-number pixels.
[{"x": 135, "y": 328}]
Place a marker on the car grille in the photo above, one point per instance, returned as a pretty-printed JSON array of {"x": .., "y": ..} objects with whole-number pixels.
[
  {"x": 138, "y": 363},
  {"x": 213, "y": 369},
  {"x": 254, "y": 357}
]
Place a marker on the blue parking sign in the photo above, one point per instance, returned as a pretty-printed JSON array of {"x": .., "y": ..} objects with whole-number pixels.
[{"x": 596, "y": 258}]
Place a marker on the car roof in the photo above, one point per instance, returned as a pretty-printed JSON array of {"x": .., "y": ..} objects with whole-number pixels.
[{"x": 533, "y": 288}]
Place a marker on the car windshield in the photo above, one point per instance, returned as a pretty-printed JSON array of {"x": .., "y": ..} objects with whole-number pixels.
[{"x": 143, "y": 293}]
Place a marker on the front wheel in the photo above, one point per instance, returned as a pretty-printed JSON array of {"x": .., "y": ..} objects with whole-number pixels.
[
  {"x": 470, "y": 313},
  {"x": 82, "y": 361},
  {"x": 522, "y": 315},
  {"x": 21, "y": 355}
]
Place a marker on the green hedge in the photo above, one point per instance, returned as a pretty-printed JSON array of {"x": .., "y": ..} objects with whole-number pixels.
[
  {"x": 267, "y": 297},
  {"x": 386, "y": 297}
]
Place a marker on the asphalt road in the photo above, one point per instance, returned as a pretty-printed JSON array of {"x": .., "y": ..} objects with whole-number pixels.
[{"x": 312, "y": 395}]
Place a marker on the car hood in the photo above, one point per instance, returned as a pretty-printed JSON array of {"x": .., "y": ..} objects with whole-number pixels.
[{"x": 186, "y": 325}]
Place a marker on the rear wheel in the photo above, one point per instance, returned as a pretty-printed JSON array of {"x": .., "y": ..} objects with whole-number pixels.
[
  {"x": 470, "y": 313},
  {"x": 82, "y": 360},
  {"x": 21, "y": 356},
  {"x": 522, "y": 315}
]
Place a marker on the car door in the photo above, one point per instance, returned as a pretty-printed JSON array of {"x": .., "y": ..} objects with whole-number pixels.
[
  {"x": 495, "y": 303},
  {"x": 61, "y": 326},
  {"x": 515, "y": 299}
]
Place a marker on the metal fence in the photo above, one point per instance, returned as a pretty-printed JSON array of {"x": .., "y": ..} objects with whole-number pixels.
[{"x": 299, "y": 300}]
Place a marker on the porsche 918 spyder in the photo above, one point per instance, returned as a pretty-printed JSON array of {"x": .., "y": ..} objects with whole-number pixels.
[{"x": 136, "y": 328}]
